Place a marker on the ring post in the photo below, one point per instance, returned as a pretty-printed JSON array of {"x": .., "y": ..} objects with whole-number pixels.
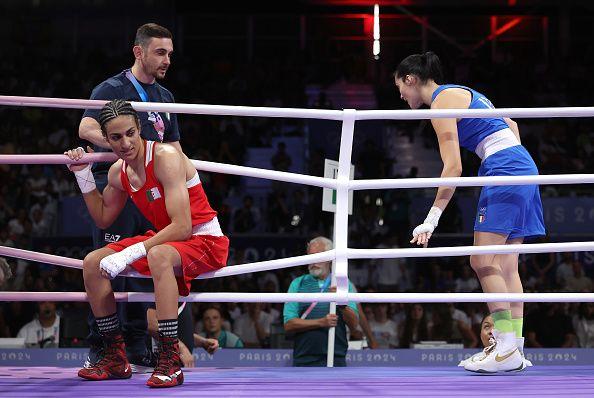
[{"x": 341, "y": 223}]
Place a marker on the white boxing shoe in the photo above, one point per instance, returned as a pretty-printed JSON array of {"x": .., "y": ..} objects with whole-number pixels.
[
  {"x": 520, "y": 345},
  {"x": 479, "y": 356},
  {"x": 505, "y": 357}
]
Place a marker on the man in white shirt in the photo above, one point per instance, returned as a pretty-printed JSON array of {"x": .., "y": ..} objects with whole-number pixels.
[
  {"x": 253, "y": 327},
  {"x": 44, "y": 330},
  {"x": 384, "y": 329},
  {"x": 578, "y": 282},
  {"x": 386, "y": 274},
  {"x": 564, "y": 270}
]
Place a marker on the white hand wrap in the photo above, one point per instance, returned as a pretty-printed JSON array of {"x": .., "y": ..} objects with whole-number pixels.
[
  {"x": 430, "y": 222},
  {"x": 117, "y": 262},
  {"x": 85, "y": 179}
]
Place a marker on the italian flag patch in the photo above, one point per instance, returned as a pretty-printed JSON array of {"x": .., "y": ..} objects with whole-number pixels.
[{"x": 153, "y": 194}]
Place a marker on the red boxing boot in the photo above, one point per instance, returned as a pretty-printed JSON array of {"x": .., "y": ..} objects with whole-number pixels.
[
  {"x": 114, "y": 363},
  {"x": 168, "y": 371}
]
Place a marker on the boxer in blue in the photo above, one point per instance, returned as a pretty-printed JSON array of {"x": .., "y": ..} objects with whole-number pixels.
[{"x": 505, "y": 214}]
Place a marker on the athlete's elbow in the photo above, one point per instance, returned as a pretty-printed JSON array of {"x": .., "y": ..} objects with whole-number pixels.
[
  {"x": 185, "y": 230},
  {"x": 454, "y": 170},
  {"x": 82, "y": 134}
]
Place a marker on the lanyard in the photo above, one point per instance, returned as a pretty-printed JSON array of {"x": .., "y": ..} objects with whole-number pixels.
[
  {"x": 154, "y": 117},
  {"x": 322, "y": 290},
  {"x": 139, "y": 89}
]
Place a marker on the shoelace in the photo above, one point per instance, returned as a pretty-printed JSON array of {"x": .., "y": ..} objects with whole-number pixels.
[
  {"x": 100, "y": 355},
  {"x": 164, "y": 359},
  {"x": 109, "y": 350},
  {"x": 491, "y": 346}
]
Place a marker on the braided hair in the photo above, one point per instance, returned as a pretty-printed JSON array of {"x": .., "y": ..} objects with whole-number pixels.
[{"x": 113, "y": 109}]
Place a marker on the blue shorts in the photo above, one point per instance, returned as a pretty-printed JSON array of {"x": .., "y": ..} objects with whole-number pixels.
[{"x": 516, "y": 210}]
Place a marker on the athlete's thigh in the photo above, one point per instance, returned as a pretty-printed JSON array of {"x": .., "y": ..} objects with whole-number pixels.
[{"x": 487, "y": 239}]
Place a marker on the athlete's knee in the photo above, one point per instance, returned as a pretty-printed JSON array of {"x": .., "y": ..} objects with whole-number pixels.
[
  {"x": 477, "y": 262},
  {"x": 91, "y": 262},
  {"x": 160, "y": 258},
  {"x": 509, "y": 266},
  {"x": 484, "y": 266}
]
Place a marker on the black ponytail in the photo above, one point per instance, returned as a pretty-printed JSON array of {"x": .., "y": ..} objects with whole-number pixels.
[
  {"x": 113, "y": 109},
  {"x": 424, "y": 66}
]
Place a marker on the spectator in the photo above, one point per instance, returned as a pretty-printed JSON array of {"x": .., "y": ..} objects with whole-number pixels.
[
  {"x": 213, "y": 329},
  {"x": 16, "y": 226},
  {"x": 311, "y": 331},
  {"x": 386, "y": 272},
  {"x": 446, "y": 328},
  {"x": 415, "y": 327},
  {"x": 487, "y": 331},
  {"x": 549, "y": 327},
  {"x": 37, "y": 181},
  {"x": 384, "y": 329},
  {"x": 4, "y": 329},
  {"x": 322, "y": 102},
  {"x": 267, "y": 278},
  {"x": 40, "y": 226},
  {"x": 564, "y": 269},
  {"x": 466, "y": 282},
  {"x": 578, "y": 282},
  {"x": 281, "y": 160},
  {"x": 253, "y": 327},
  {"x": 44, "y": 330},
  {"x": 61, "y": 185},
  {"x": 583, "y": 324},
  {"x": 6, "y": 211},
  {"x": 279, "y": 214},
  {"x": 5, "y": 273},
  {"x": 247, "y": 218}
]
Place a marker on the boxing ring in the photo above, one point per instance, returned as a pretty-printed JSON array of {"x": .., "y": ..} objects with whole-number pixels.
[{"x": 263, "y": 382}]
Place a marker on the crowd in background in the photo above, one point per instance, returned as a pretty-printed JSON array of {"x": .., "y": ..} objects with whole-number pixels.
[{"x": 30, "y": 195}]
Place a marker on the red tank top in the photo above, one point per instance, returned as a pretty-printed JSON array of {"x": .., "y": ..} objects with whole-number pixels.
[{"x": 150, "y": 198}]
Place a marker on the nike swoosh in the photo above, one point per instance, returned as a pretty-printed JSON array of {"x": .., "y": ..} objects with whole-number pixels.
[{"x": 503, "y": 358}]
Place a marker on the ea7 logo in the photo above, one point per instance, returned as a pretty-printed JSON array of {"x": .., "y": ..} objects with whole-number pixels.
[{"x": 111, "y": 238}]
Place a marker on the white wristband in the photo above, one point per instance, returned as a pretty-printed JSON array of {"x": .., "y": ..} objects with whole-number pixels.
[
  {"x": 85, "y": 179},
  {"x": 433, "y": 216}
]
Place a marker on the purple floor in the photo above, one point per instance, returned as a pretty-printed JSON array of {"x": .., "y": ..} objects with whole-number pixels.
[{"x": 549, "y": 381}]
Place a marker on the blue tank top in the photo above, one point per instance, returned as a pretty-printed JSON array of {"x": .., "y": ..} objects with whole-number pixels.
[{"x": 472, "y": 131}]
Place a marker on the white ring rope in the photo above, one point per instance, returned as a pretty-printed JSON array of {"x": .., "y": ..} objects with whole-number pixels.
[
  {"x": 407, "y": 183},
  {"x": 199, "y": 164},
  {"x": 471, "y": 250},
  {"x": 226, "y": 271},
  {"x": 232, "y": 297},
  {"x": 342, "y": 185},
  {"x": 472, "y": 181},
  {"x": 407, "y": 114},
  {"x": 194, "y": 109}
]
